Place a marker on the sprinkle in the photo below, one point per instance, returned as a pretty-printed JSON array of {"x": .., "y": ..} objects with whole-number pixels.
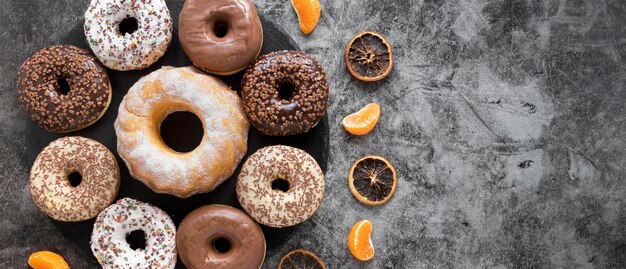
[{"x": 102, "y": 22}]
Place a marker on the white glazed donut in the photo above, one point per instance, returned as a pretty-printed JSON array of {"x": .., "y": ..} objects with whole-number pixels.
[
  {"x": 276, "y": 208},
  {"x": 163, "y": 169},
  {"x": 133, "y": 51},
  {"x": 108, "y": 239}
]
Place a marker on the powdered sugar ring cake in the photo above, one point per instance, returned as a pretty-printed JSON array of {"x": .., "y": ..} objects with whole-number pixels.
[
  {"x": 163, "y": 169},
  {"x": 51, "y": 189},
  {"x": 278, "y": 208},
  {"x": 108, "y": 239},
  {"x": 129, "y": 51}
]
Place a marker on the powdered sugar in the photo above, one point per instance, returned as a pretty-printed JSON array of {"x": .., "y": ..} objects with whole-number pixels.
[{"x": 181, "y": 89}]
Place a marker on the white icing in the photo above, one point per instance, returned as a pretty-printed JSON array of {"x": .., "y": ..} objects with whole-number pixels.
[
  {"x": 108, "y": 239},
  {"x": 130, "y": 51},
  {"x": 276, "y": 208}
]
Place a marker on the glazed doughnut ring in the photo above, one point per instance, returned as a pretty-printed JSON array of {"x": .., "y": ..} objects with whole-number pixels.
[
  {"x": 219, "y": 236},
  {"x": 108, "y": 238},
  {"x": 131, "y": 50},
  {"x": 51, "y": 176},
  {"x": 275, "y": 207},
  {"x": 42, "y": 97},
  {"x": 163, "y": 169},
  {"x": 268, "y": 109},
  {"x": 220, "y": 36}
]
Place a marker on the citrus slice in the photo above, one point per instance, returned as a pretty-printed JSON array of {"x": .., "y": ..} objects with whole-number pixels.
[
  {"x": 372, "y": 180},
  {"x": 369, "y": 57},
  {"x": 360, "y": 241},
  {"x": 47, "y": 260},
  {"x": 308, "y": 12},
  {"x": 363, "y": 121},
  {"x": 301, "y": 259}
]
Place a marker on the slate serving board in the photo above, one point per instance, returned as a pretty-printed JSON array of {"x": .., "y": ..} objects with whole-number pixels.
[{"x": 315, "y": 142}]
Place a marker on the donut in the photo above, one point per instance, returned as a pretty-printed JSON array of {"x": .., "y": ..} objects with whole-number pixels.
[
  {"x": 108, "y": 238},
  {"x": 130, "y": 50},
  {"x": 65, "y": 159},
  {"x": 46, "y": 102},
  {"x": 201, "y": 233},
  {"x": 220, "y": 36},
  {"x": 275, "y": 207},
  {"x": 277, "y": 115},
  {"x": 151, "y": 161}
]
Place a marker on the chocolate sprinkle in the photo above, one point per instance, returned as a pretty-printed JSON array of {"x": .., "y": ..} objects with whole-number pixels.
[
  {"x": 276, "y": 208},
  {"x": 263, "y": 105},
  {"x": 50, "y": 187},
  {"x": 40, "y": 94}
]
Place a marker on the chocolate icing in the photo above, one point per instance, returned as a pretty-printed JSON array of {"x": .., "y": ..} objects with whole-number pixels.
[
  {"x": 202, "y": 226},
  {"x": 39, "y": 91},
  {"x": 220, "y": 55},
  {"x": 263, "y": 105}
]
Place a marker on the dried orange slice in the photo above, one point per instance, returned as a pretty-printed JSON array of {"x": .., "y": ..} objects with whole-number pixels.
[
  {"x": 47, "y": 260},
  {"x": 372, "y": 180},
  {"x": 308, "y": 12},
  {"x": 363, "y": 121},
  {"x": 301, "y": 259},
  {"x": 360, "y": 241},
  {"x": 369, "y": 57}
]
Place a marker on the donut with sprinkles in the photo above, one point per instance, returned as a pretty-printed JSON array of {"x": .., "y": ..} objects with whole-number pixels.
[
  {"x": 95, "y": 187},
  {"x": 280, "y": 207},
  {"x": 108, "y": 239},
  {"x": 285, "y": 93},
  {"x": 124, "y": 49},
  {"x": 53, "y": 107}
]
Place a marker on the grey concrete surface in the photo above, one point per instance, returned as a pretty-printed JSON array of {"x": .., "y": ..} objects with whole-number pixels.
[{"x": 504, "y": 119}]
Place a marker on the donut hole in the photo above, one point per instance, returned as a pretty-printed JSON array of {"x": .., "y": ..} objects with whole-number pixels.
[
  {"x": 128, "y": 26},
  {"x": 64, "y": 86},
  {"x": 221, "y": 245},
  {"x": 136, "y": 239},
  {"x": 280, "y": 184},
  {"x": 220, "y": 29},
  {"x": 182, "y": 131},
  {"x": 75, "y": 178},
  {"x": 286, "y": 90}
]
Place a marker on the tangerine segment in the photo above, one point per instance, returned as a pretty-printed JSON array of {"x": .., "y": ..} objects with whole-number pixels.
[
  {"x": 47, "y": 260},
  {"x": 363, "y": 121},
  {"x": 301, "y": 259},
  {"x": 308, "y": 12},
  {"x": 360, "y": 241}
]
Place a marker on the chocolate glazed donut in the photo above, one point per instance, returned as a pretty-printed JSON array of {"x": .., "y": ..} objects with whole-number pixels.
[
  {"x": 219, "y": 236},
  {"x": 270, "y": 104},
  {"x": 42, "y": 97},
  {"x": 220, "y": 36}
]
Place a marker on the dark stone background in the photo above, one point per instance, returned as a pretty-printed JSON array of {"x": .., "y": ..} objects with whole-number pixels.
[{"x": 505, "y": 120}]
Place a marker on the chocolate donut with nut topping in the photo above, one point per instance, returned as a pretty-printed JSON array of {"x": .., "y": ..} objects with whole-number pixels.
[
  {"x": 269, "y": 108},
  {"x": 47, "y": 104}
]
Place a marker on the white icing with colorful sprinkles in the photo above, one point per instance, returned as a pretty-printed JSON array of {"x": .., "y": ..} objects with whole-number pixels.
[
  {"x": 108, "y": 239},
  {"x": 136, "y": 50}
]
